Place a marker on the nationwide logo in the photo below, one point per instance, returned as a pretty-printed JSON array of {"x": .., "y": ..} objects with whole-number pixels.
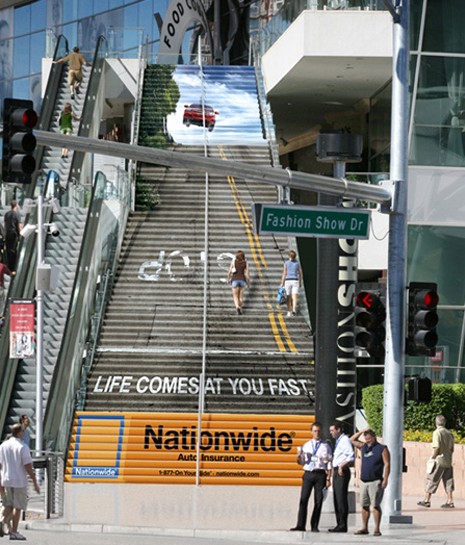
[{"x": 186, "y": 439}]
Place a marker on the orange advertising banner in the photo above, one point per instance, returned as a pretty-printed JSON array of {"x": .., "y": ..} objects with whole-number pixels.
[{"x": 163, "y": 448}]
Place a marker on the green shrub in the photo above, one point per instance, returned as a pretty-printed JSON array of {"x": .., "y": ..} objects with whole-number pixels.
[{"x": 447, "y": 399}]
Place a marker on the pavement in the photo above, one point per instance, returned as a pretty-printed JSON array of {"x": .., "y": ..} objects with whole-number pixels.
[{"x": 433, "y": 525}]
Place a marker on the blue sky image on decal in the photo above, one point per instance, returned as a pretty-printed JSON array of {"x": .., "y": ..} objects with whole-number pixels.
[{"x": 233, "y": 116}]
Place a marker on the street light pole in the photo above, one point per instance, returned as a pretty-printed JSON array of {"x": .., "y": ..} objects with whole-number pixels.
[
  {"x": 40, "y": 328},
  {"x": 393, "y": 417}
]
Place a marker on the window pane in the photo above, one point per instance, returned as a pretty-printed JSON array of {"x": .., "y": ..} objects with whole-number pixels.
[
  {"x": 21, "y": 57},
  {"x": 85, "y": 8},
  {"x": 37, "y": 48},
  {"x": 444, "y": 26},
  {"x": 438, "y": 137},
  {"x": 22, "y": 20},
  {"x": 449, "y": 333},
  {"x": 435, "y": 254},
  {"x": 69, "y": 10},
  {"x": 38, "y": 12}
]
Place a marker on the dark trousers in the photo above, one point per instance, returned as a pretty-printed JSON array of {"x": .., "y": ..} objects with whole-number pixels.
[
  {"x": 11, "y": 244},
  {"x": 340, "y": 495},
  {"x": 311, "y": 480}
]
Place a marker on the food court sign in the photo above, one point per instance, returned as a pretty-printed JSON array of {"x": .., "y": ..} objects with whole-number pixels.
[
  {"x": 164, "y": 448},
  {"x": 180, "y": 16}
]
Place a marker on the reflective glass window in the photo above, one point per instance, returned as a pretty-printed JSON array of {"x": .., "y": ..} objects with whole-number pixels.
[
  {"x": 145, "y": 14},
  {"x": 435, "y": 254},
  {"x": 37, "y": 47},
  {"x": 439, "y": 120},
  {"x": 21, "y": 88},
  {"x": 445, "y": 367},
  {"x": 21, "y": 57},
  {"x": 416, "y": 9},
  {"x": 85, "y": 8},
  {"x": 100, "y": 6},
  {"x": 70, "y": 31},
  {"x": 130, "y": 16},
  {"x": 70, "y": 11},
  {"x": 444, "y": 26},
  {"x": 22, "y": 17},
  {"x": 38, "y": 15}
]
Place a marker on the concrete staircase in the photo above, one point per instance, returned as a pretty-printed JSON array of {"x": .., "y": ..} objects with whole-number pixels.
[{"x": 150, "y": 353}]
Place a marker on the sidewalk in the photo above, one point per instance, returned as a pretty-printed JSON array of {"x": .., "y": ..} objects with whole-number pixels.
[{"x": 433, "y": 526}]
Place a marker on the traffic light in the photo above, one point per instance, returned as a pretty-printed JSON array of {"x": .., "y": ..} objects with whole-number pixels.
[
  {"x": 422, "y": 337},
  {"x": 420, "y": 390},
  {"x": 18, "y": 163},
  {"x": 370, "y": 315}
]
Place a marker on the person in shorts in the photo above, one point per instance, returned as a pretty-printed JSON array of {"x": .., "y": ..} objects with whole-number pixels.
[
  {"x": 292, "y": 280},
  {"x": 239, "y": 278},
  {"x": 374, "y": 474},
  {"x": 66, "y": 124},
  {"x": 15, "y": 467},
  {"x": 75, "y": 60},
  {"x": 443, "y": 449}
]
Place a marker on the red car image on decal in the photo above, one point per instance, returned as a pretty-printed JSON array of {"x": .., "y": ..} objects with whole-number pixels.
[{"x": 193, "y": 115}]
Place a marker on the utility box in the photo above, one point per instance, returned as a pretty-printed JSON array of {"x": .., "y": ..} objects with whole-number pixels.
[{"x": 331, "y": 147}]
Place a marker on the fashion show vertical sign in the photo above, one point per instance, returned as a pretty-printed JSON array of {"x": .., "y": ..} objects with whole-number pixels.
[{"x": 22, "y": 338}]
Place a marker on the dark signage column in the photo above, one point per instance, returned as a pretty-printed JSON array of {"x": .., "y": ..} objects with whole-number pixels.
[{"x": 335, "y": 363}]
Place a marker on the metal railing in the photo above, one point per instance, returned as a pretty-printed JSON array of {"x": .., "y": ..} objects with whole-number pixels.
[
  {"x": 290, "y": 10},
  {"x": 50, "y": 475},
  {"x": 97, "y": 260}
]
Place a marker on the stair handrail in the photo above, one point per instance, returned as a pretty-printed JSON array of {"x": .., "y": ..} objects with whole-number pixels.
[
  {"x": 93, "y": 263},
  {"x": 136, "y": 123},
  {"x": 21, "y": 286}
]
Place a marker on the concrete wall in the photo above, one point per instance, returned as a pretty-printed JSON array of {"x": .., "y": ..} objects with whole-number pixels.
[
  {"x": 413, "y": 482},
  {"x": 223, "y": 507}
]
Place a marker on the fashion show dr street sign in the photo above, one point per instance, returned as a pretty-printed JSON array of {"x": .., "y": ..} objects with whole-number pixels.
[{"x": 311, "y": 221}]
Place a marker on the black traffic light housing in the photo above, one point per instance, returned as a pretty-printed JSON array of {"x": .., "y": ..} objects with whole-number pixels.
[
  {"x": 422, "y": 337},
  {"x": 420, "y": 390},
  {"x": 19, "y": 143},
  {"x": 370, "y": 315}
]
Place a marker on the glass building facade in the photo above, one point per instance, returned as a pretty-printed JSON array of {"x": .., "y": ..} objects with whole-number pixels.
[
  {"x": 436, "y": 234},
  {"x": 437, "y": 121},
  {"x": 28, "y": 34}
]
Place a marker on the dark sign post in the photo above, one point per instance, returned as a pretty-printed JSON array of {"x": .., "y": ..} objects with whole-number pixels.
[{"x": 335, "y": 362}]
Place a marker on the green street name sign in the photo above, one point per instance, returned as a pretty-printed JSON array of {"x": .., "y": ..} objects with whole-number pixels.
[{"x": 311, "y": 221}]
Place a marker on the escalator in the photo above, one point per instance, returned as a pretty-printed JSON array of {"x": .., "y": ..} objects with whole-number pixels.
[{"x": 56, "y": 179}]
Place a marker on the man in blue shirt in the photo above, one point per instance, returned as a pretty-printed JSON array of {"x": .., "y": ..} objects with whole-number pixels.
[
  {"x": 343, "y": 458},
  {"x": 374, "y": 474}
]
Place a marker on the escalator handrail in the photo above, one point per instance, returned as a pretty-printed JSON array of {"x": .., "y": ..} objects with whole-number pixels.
[
  {"x": 49, "y": 102},
  {"x": 101, "y": 52},
  {"x": 22, "y": 286},
  {"x": 66, "y": 377}
]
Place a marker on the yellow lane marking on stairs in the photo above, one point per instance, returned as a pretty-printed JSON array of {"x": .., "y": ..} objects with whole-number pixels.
[
  {"x": 260, "y": 262},
  {"x": 287, "y": 338},
  {"x": 275, "y": 330}
]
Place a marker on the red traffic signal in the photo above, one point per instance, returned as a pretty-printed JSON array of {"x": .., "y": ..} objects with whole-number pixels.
[
  {"x": 370, "y": 314},
  {"x": 19, "y": 143},
  {"x": 423, "y": 318}
]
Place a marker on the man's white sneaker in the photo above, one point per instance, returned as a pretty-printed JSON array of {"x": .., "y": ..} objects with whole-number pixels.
[
  {"x": 289, "y": 314},
  {"x": 16, "y": 536}
]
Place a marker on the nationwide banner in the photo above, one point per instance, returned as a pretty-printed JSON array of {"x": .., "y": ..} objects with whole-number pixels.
[{"x": 162, "y": 448}]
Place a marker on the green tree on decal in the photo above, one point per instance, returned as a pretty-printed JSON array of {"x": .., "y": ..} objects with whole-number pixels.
[{"x": 159, "y": 99}]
